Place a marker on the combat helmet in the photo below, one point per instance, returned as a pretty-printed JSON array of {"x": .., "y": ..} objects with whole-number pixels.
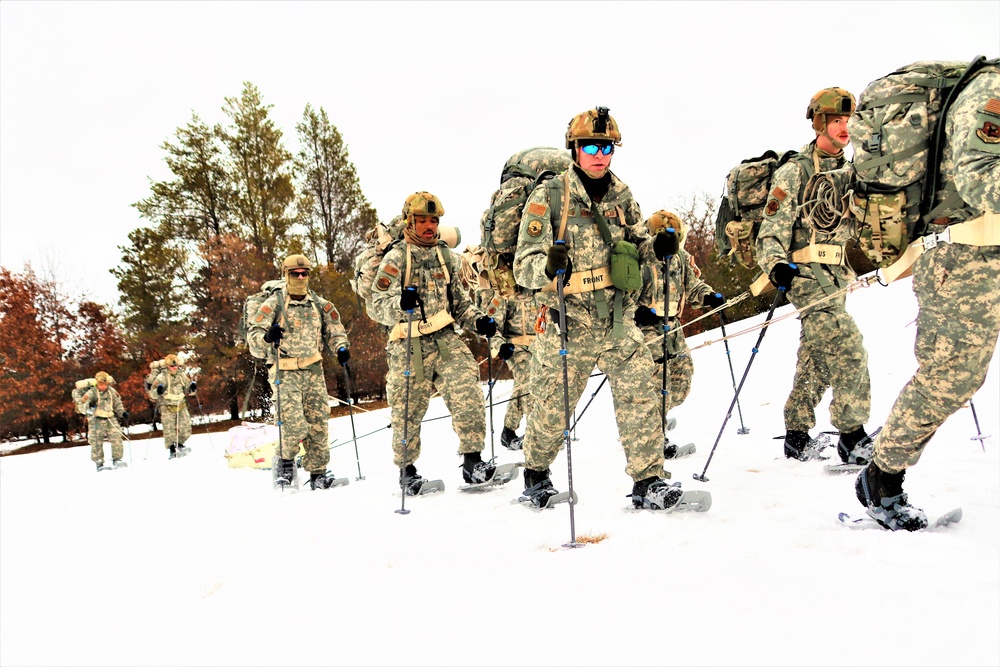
[
  {"x": 295, "y": 262},
  {"x": 104, "y": 377},
  {"x": 663, "y": 219},
  {"x": 595, "y": 125},
  {"x": 829, "y": 101},
  {"x": 422, "y": 203}
]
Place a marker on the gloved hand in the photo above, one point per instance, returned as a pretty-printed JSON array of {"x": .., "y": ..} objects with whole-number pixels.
[
  {"x": 558, "y": 260},
  {"x": 781, "y": 275},
  {"x": 409, "y": 300},
  {"x": 665, "y": 244},
  {"x": 714, "y": 300},
  {"x": 193, "y": 388},
  {"x": 160, "y": 389},
  {"x": 646, "y": 317},
  {"x": 125, "y": 416},
  {"x": 274, "y": 334},
  {"x": 486, "y": 326},
  {"x": 506, "y": 351},
  {"x": 343, "y": 355}
]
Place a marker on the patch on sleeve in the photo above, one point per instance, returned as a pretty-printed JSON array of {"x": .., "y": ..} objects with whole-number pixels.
[
  {"x": 328, "y": 307},
  {"x": 266, "y": 309},
  {"x": 772, "y": 206},
  {"x": 259, "y": 318},
  {"x": 383, "y": 282},
  {"x": 537, "y": 208},
  {"x": 391, "y": 270},
  {"x": 779, "y": 194},
  {"x": 535, "y": 228},
  {"x": 988, "y": 132},
  {"x": 993, "y": 106}
]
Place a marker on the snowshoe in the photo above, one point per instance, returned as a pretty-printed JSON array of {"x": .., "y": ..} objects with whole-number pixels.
[
  {"x": 173, "y": 452},
  {"x": 415, "y": 485},
  {"x": 511, "y": 440},
  {"x": 882, "y": 493},
  {"x": 100, "y": 465},
  {"x": 654, "y": 493},
  {"x": 538, "y": 489},
  {"x": 477, "y": 471},
  {"x": 503, "y": 474},
  {"x": 674, "y": 451},
  {"x": 183, "y": 450},
  {"x": 326, "y": 480},
  {"x": 799, "y": 446},
  {"x": 856, "y": 447},
  {"x": 283, "y": 473},
  {"x": 118, "y": 463}
]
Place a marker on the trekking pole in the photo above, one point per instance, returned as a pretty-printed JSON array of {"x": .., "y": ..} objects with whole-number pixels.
[
  {"x": 563, "y": 340},
  {"x": 743, "y": 430},
  {"x": 663, "y": 345},
  {"x": 577, "y": 419},
  {"x": 406, "y": 412},
  {"x": 201, "y": 413},
  {"x": 980, "y": 437},
  {"x": 350, "y": 410},
  {"x": 489, "y": 368},
  {"x": 763, "y": 330},
  {"x": 277, "y": 406}
]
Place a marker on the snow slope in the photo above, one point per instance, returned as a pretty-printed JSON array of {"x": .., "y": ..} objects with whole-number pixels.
[{"x": 189, "y": 562}]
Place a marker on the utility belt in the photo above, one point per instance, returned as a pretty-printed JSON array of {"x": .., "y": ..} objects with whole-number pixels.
[
  {"x": 585, "y": 280},
  {"x": 298, "y": 363},
  {"x": 981, "y": 231},
  {"x": 435, "y": 322},
  {"x": 525, "y": 340},
  {"x": 820, "y": 253},
  {"x": 104, "y": 414},
  {"x": 674, "y": 309},
  {"x": 173, "y": 399}
]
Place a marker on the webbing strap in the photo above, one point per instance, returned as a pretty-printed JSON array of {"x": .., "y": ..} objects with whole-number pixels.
[
  {"x": 618, "y": 326},
  {"x": 890, "y": 158}
]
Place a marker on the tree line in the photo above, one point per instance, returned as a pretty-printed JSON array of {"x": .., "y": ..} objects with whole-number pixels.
[{"x": 237, "y": 202}]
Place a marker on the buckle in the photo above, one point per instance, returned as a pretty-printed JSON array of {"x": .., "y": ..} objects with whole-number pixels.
[{"x": 931, "y": 240}]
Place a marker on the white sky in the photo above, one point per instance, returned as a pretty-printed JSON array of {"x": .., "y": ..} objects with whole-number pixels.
[
  {"x": 429, "y": 96},
  {"x": 189, "y": 562}
]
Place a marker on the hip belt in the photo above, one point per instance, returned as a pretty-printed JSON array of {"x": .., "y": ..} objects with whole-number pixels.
[
  {"x": 435, "y": 322},
  {"x": 981, "y": 231},
  {"x": 297, "y": 363},
  {"x": 584, "y": 280}
]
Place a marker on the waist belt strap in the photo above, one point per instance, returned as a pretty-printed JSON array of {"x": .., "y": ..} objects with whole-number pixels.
[
  {"x": 105, "y": 414},
  {"x": 585, "y": 280},
  {"x": 981, "y": 231},
  {"x": 819, "y": 253},
  {"x": 525, "y": 340},
  {"x": 435, "y": 322},
  {"x": 297, "y": 363}
]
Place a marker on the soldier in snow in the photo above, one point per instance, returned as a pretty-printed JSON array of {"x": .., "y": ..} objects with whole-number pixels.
[
  {"x": 103, "y": 407},
  {"x": 169, "y": 388},
  {"x": 810, "y": 265}
]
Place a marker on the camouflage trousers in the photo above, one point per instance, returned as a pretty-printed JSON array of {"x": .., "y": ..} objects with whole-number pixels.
[
  {"x": 958, "y": 291},
  {"x": 99, "y": 430},
  {"x": 831, "y": 355},
  {"x": 680, "y": 367},
  {"x": 303, "y": 404},
  {"x": 176, "y": 424},
  {"x": 449, "y": 367},
  {"x": 626, "y": 363},
  {"x": 519, "y": 404}
]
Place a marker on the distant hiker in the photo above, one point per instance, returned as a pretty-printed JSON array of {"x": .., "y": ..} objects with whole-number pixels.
[
  {"x": 601, "y": 235},
  {"x": 810, "y": 264},
  {"x": 418, "y": 293},
  {"x": 104, "y": 408},
  {"x": 957, "y": 284},
  {"x": 289, "y": 330},
  {"x": 686, "y": 286},
  {"x": 169, "y": 388}
]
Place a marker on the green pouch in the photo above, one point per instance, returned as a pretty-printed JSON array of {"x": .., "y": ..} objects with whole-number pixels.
[{"x": 625, "y": 273}]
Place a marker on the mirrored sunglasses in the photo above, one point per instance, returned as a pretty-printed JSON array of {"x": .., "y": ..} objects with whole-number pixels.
[
  {"x": 592, "y": 149},
  {"x": 299, "y": 274}
]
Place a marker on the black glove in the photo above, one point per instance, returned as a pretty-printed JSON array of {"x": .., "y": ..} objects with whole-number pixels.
[
  {"x": 486, "y": 326},
  {"x": 714, "y": 300},
  {"x": 409, "y": 300},
  {"x": 781, "y": 275},
  {"x": 193, "y": 388},
  {"x": 343, "y": 355},
  {"x": 665, "y": 244},
  {"x": 646, "y": 317},
  {"x": 274, "y": 334},
  {"x": 160, "y": 389},
  {"x": 506, "y": 351},
  {"x": 558, "y": 260},
  {"x": 125, "y": 416}
]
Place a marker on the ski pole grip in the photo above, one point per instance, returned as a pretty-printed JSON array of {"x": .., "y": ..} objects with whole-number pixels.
[{"x": 560, "y": 242}]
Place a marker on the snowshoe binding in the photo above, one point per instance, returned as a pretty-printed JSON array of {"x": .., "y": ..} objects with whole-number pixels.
[
  {"x": 882, "y": 493},
  {"x": 799, "y": 446},
  {"x": 511, "y": 440},
  {"x": 538, "y": 489},
  {"x": 655, "y": 493},
  {"x": 856, "y": 447},
  {"x": 283, "y": 473},
  {"x": 326, "y": 480},
  {"x": 475, "y": 470}
]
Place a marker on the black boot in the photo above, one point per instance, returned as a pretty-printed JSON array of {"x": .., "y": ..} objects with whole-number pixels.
[
  {"x": 510, "y": 439},
  {"x": 475, "y": 470},
  {"x": 882, "y": 493},
  {"x": 173, "y": 452},
  {"x": 285, "y": 475},
  {"x": 410, "y": 480},
  {"x": 655, "y": 493},
  {"x": 321, "y": 480},
  {"x": 799, "y": 446},
  {"x": 538, "y": 487},
  {"x": 855, "y": 447}
]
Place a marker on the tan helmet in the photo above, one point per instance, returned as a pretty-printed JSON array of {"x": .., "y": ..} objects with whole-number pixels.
[
  {"x": 596, "y": 124},
  {"x": 104, "y": 377},
  {"x": 295, "y": 262},
  {"x": 663, "y": 219},
  {"x": 422, "y": 203},
  {"x": 829, "y": 101},
  {"x": 171, "y": 360}
]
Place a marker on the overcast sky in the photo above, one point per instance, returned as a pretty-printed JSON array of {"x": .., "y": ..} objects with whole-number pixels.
[{"x": 428, "y": 96}]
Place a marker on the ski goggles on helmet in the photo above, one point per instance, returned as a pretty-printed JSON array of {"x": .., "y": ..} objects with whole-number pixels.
[{"x": 593, "y": 149}]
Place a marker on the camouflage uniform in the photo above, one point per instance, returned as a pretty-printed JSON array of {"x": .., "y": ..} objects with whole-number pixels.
[
  {"x": 310, "y": 324},
  {"x": 103, "y": 423},
  {"x": 516, "y": 325},
  {"x": 685, "y": 285},
  {"x": 831, "y": 349},
  {"x": 593, "y": 334},
  {"x": 957, "y": 286},
  {"x": 173, "y": 406},
  {"x": 439, "y": 359}
]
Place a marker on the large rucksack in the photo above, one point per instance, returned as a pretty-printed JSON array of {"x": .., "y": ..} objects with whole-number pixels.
[
  {"x": 501, "y": 222},
  {"x": 79, "y": 389},
  {"x": 742, "y": 207},
  {"x": 252, "y": 304},
  {"x": 898, "y": 134}
]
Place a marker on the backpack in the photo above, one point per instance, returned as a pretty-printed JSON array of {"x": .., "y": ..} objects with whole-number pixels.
[
  {"x": 501, "y": 222},
  {"x": 79, "y": 390},
  {"x": 742, "y": 206},
  {"x": 897, "y": 135},
  {"x": 252, "y": 304}
]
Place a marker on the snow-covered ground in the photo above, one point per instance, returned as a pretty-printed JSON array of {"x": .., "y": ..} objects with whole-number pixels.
[{"x": 190, "y": 562}]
